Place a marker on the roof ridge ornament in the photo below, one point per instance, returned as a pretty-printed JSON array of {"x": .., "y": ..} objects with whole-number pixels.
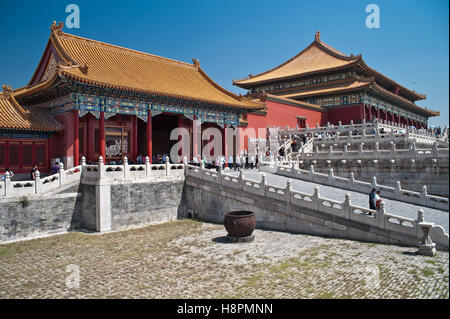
[
  {"x": 84, "y": 68},
  {"x": 57, "y": 27},
  {"x": 196, "y": 62},
  {"x": 6, "y": 89},
  {"x": 317, "y": 36}
]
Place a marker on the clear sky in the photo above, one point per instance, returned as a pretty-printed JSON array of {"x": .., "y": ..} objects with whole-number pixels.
[{"x": 234, "y": 38}]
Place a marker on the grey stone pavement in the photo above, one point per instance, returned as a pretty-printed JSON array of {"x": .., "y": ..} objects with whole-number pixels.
[
  {"x": 191, "y": 259},
  {"x": 392, "y": 207}
]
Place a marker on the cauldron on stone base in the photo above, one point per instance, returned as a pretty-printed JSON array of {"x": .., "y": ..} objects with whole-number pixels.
[{"x": 240, "y": 226}]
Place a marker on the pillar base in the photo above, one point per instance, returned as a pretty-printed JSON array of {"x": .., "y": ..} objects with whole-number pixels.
[{"x": 427, "y": 249}]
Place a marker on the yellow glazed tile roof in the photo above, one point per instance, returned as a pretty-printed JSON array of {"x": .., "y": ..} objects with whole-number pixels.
[
  {"x": 107, "y": 65},
  {"x": 14, "y": 116},
  {"x": 319, "y": 57}
]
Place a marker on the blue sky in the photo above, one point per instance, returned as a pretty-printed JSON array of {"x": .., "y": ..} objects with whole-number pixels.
[{"x": 235, "y": 38}]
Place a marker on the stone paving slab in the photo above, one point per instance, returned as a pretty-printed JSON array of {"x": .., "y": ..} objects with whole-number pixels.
[
  {"x": 392, "y": 206},
  {"x": 191, "y": 259}
]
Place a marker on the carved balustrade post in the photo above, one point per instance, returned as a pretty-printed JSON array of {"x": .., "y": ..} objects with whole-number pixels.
[
  {"x": 380, "y": 215},
  {"x": 62, "y": 174},
  {"x": 167, "y": 167},
  {"x": 398, "y": 190},
  {"x": 288, "y": 190},
  {"x": 37, "y": 182},
  {"x": 346, "y": 207},
  {"x": 101, "y": 168},
  {"x": 126, "y": 167},
  {"x": 316, "y": 197},
  {"x": 8, "y": 185},
  {"x": 351, "y": 181},
  {"x": 148, "y": 168},
  {"x": 263, "y": 184}
]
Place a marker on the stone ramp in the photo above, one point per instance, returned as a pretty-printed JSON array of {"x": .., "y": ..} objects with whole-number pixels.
[
  {"x": 403, "y": 209},
  {"x": 281, "y": 205}
]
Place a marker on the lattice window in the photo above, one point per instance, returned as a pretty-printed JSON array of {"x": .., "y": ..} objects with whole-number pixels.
[
  {"x": 40, "y": 154},
  {"x": 27, "y": 155},
  {"x": 2, "y": 155},
  {"x": 14, "y": 154}
]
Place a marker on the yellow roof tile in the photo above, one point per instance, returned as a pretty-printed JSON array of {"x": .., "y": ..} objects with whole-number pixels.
[
  {"x": 14, "y": 116},
  {"x": 103, "y": 64}
]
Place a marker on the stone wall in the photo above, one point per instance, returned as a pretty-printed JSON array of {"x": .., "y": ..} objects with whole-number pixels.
[
  {"x": 145, "y": 203},
  {"x": 38, "y": 216},
  {"x": 207, "y": 202}
]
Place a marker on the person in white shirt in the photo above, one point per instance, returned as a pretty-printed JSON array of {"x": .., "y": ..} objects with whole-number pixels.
[
  {"x": 243, "y": 161},
  {"x": 230, "y": 162},
  {"x": 376, "y": 199},
  {"x": 252, "y": 161},
  {"x": 238, "y": 163},
  {"x": 195, "y": 160}
]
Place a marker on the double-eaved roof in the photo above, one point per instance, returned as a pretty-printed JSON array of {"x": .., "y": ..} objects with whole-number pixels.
[
  {"x": 110, "y": 66},
  {"x": 319, "y": 57}
]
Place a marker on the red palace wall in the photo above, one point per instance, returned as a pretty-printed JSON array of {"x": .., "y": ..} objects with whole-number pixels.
[
  {"x": 280, "y": 114},
  {"x": 64, "y": 141},
  {"x": 345, "y": 114}
]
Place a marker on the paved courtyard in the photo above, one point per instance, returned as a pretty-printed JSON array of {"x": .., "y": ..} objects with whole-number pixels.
[{"x": 191, "y": 259}]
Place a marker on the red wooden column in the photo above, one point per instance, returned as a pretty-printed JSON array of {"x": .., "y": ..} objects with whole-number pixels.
[
  {"x": 76, "y": 139},
  {"x": 149, "y": 135},
  {"x": 102, "y": 135},
  {"x": 370, "y": 113},
  {"x": 363, "y": 112},
  {"x": 135, "y": 137},
  {"x": 378, "y": 113},
  {"x": 90, "y": 139},
  {"x": 194, "y": 137},
  {"x": 180, "y": 125},
  {"x": 225, "y": 146}
]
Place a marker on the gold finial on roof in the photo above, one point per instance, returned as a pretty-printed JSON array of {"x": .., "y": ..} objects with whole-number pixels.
[
  {"x": 317, "y": 36},
  {"x": 56, "y": 27}
]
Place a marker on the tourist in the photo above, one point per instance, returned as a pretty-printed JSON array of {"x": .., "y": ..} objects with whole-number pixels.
[
  {"x": 371, "y": 200},
  {"x": 11, "y": 173},
  {"x": 54, "y": 169},
  {"x": 252, "y": 161},
  {"x": 195, "y": 160},
  {"x": 140, "y": 159},
  {"x": 33, "y": 172},
  {"x": 238, "y": 163},
  {"x": 377, "y": 199},
  {"x": 257, "y": 161},
  {"x": 242, "y": 161},
  {"x": 222, "y": 161},
  {"x": 230, "y": 162}
]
